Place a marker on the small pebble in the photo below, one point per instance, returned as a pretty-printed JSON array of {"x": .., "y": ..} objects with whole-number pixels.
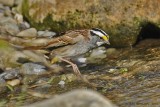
[
  {"x": 11, "y": 74},
  {"x": 28, "y": 33},
  {"x": 98, "y": 53},
  {"x": 111, "y": 51},
  {"x": 61, "y": 83},
  {"x": 14, "y": 82},
  {"x": 33, "y": 68},
  {"x": 7, "y": 11},
  {"x": 7, "y": 2},
  {"x": 11, "y": 28},
  {"x": 24, "y": 26},
  {"x": 82, "y": 60},
  {"x": 18, "y": 18},
  {"x": 46, "y": 34}
]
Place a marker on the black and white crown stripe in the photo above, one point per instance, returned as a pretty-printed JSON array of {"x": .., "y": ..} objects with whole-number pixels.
[{"x": 98, "y": 32}]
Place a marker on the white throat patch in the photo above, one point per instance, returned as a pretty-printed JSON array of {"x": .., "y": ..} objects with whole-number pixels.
[{"x": 100, "y": 43}]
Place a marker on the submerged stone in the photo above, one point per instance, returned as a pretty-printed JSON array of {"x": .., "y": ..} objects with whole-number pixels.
[{"x": 33, "y": 68}]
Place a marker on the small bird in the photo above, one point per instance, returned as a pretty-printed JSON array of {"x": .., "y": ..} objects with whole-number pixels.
[{"x": 76, "y": 42}]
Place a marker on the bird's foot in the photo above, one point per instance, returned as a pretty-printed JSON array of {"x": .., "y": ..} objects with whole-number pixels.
[
  {"x": 74, "y": 66},
  {"x": 75, "y": 70}
]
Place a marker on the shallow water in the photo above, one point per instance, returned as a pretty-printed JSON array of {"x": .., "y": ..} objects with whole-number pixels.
[
  {"x": 129, "y": 78},
  {"x": 143, "y": 90}
]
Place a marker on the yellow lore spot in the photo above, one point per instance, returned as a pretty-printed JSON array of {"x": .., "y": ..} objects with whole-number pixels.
[{"x": 105, "y": 38}]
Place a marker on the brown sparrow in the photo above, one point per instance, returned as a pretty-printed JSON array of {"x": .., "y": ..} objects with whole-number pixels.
[{"x": 76, "y": 42}]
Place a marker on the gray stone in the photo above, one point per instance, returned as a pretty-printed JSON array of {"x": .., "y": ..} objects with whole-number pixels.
[
  {"x": 33, "y": 68},
  {"x": 111, "y": 51},
  {"x": 11, "y": 28},
  {"x": 7, "y": 2},
  {"x": 46, "y": 34},
  {"x": 28, "y": 33},
  {"x": 98, "y": 53},
  {"x": 77, "y": 98},
  {"x": 1, "y": 9},
  {"x": 8, "y": 25},
  {"x": 24, "y": 25},
  {"x": 121, "y": 19},
  {"x": 7, "y": 11},
  {"x": 11, "y": 74},
  {"x": 18, "y": 2}
]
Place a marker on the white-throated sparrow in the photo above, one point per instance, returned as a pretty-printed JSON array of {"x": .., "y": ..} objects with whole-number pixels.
[{"x": 77, "y": 42}]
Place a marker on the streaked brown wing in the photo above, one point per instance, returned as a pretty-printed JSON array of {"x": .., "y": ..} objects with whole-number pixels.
[{"x": 71, "y": 37}]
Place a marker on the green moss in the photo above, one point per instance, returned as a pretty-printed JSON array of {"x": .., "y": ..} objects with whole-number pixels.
[
  {"x": 4, "y": 44},
  {"x": 73, "y": 20},
  {"x": 48, "y": 22},
  {"x": 25, "y": 10},
  {"x": 123, "y": 70},
  {"x": 123, "y": 34}
]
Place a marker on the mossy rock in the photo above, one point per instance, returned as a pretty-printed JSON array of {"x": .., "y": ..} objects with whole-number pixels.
[{"x": 120, "y": 19}]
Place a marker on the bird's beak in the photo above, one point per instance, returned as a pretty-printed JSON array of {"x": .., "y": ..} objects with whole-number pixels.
[
  {"x": 106, "y": 39},
  {"x": 107, "y": 42}
]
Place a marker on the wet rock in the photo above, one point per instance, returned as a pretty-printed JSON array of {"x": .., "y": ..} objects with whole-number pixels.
[
  {"x": 36, "y": 56},
  {"x": 7, "y": 11},
  {"x": 98, "y": 52},
  {"x": 77, "y": 98},
  {"x": 68, "y": 77},
  {"x": 28, "y": 33},
  {"x": 11, "y": 74},
  {"x": 129, "y": 63},
  {"x": 11, "y": 57},
  {"x": 1, "y": 9},
  {"x": 18, "y": 18},
  {"x": 14, "y": 82},
  {"x": 3, "y": 89},
  {"x": 10, "y": 77},
  {"x": 33, "y": 68},
  {"x": 24, "y": 25},
  {"x": 8, "y": 25},
  {"x": 148, "y": 43},
  {"x": 2, "y": 81},
  {"x": 61, "y": 83},
  {"x": 96, "y": 55},
  {"x": 7, "y": 2},
  {"x": 112, "y": 53},
  {"x": 8, "y": 55},
  {"x": 123, "y": 25},
  {"x": 18, "y": 2},
  {"x": 29, "y": 79},
  {"x": 42, "y": 85},
  {"x": 46, "y": 34}
]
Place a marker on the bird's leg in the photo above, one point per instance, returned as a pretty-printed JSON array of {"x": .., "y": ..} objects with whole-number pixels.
[
  {"x": 74, "y": 66},
  {"x": 77, "y": 72},
  {"x": 75, "y": 69}
]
